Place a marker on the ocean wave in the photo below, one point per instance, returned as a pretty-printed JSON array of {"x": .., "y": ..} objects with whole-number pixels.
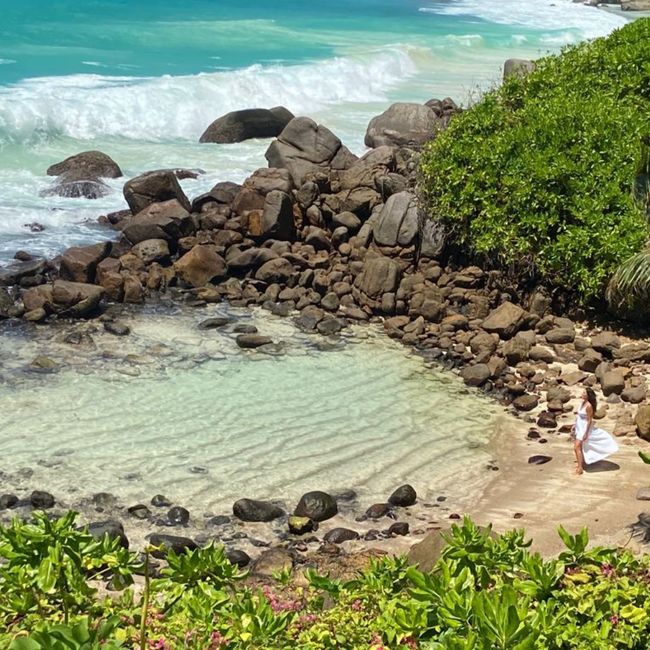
[
  {"x": 7, "y": 61},
  {"x": 584, "y": 21},
  {"x": 168, "y": 108}
]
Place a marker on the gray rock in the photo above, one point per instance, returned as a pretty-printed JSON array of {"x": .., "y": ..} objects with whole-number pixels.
[
  {"x": 277, "y": 218},
  {"x": 518, "y": 68},
  {"x": 178, "y": 516},
  {"x": 252, "y": 341},
  {"x": 154, "y": 187},
  {"x": 505, "y": 320},
  {"x": 404, "y": 496},
  {"x": 398, "y": 221},
  {"x": 379, "y": 275},
  {"x": 643, "y": 494},
  {"x": 238, "y": 557},
  {"x": 403, "y": 124},
  {"x": 558, "y": 336},
  {"x": 539, "y": 460},
  {"x": 252, "y": 510},
  {"x": 340, "y": 535},
  {"x": 166, "y": 543},
  {"x": 612, "y": 382},
  {"x": 111, "y": 529},
  {"x": 41, "y": 500},
  {"x": 304, "y": 147},
  {"x": 238, "y": 126},
  {"x": 476, "y": 375},
  {"x": 167, "y": 220},
  {"x": 87, "y": 165},
  {"x": 316, "y": 505}
]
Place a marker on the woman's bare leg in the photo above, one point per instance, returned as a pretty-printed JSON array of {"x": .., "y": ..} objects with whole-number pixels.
[{"x": 580, "y": 461}]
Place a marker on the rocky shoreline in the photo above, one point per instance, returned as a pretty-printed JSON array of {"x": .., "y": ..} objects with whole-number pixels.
[{"x": 329, "y": 240}]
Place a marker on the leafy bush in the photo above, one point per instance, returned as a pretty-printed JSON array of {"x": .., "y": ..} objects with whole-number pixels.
[
  {"x": 487, "y": 591},
  {"x": 539, "y": 176}
]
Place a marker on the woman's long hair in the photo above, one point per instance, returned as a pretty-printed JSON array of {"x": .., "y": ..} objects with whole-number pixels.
[{"x": 591, "y": 398}]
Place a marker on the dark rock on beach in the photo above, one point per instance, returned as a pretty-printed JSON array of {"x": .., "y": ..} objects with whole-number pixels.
[
  {"x": 403, "y": 124},
  {"x": 8, "y": 501},
  {"x": 168, "y": 543},
  {"x": 178, "y": 516},
  {"x": 252, "y": 510},
  {"x": 154, "y": 187},
  {"x": 404, "y": 496},
  {"x": 41, "y": 500},
  {"x": 318, "y": 506},
  {"x": 110, "y": 529},
  {"x": 340, "y": 535},
  {"x": 246, "y": 124},
  {"x": 87, "y": 164}
]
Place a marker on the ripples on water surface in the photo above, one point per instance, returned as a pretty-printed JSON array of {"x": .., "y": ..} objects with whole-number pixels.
[{"x": 205, "y": 423}]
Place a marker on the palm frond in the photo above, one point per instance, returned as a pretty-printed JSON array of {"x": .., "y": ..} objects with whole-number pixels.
[{"x": 629, "y": 287}]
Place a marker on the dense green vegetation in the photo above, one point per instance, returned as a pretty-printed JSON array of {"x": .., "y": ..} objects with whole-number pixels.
[
  {"x": 539, "y": 176},
  {"x": 485, "y": 592}
]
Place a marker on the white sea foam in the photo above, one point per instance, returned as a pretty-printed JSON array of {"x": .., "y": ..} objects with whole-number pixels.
[
  {"x": 7, "y": 61},
  {"x": 583, "y": 21},
  {"x": 167, "y": 108}
]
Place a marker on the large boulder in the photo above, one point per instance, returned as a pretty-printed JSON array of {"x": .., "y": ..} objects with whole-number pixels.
[
  {"x": 63, "y": 297},
  {"x": 223, "y": 193},
  {"x": 71, "y": 188},
  {"x": 238, "y": 126},
  {"x": 317, "y": 506},
  {"x": 304, "y": 146},
  {"x": 86, "y": 165},
  {"x": 15, "y": 272},
  {"x": 154, "y": 187},
  {"x": 168, "y": 220},
  {"x": 379, "y": 275},
  {"x": 201, "y": 265},
  {"x": 79, "y": 264},
  {"x": 252, "y": 510},
  {"x": 518, "y": 68},
  {"x": 251, "y": 258},
  {"x": 398, "y": 221},
  {"x": 635, "y": 5},
  {"x": 403, "y": 124},
  {"x": 277, "y": 218},
  {"x": 505, "y": 320}
]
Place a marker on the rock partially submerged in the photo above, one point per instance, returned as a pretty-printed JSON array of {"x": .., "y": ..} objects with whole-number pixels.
[{"x": 238, "y": 126}]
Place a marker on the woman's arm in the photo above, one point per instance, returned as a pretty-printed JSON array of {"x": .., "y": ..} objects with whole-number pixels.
[{"x": 590, "y": 420}]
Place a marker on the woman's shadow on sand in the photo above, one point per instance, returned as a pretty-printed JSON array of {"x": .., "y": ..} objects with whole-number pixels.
[{"x": 602, "y": 466}]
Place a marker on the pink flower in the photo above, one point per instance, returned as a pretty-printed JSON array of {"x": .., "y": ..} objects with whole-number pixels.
[
  {"x": 607, "y": 570},
  {"x": 614, "y": 620},
  {"x": 160, "y": 644},
  {"x": 357, "y": 605}
]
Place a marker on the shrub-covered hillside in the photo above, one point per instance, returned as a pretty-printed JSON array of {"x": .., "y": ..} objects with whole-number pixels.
[{"x": 538, "y": 177}]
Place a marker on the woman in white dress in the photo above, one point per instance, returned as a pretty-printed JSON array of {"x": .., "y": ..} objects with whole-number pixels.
[{"x": 591, "y": 444}]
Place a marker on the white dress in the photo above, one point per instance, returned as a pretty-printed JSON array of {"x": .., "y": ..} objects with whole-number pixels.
[{"x": 599, "y": 444}]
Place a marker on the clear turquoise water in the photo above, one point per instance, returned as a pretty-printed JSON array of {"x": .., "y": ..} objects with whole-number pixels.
[{"x": 142, "y": 80}]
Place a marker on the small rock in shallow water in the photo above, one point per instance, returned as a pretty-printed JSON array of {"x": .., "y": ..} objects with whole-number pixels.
[
  {"x": 160, "y": 501},
  {"x": 178, "y": 516},
  {"x": 300, "y": 525},
  {"x": 340, "y": 535},
  {"x": 198, "y": 470},
  {"x": 43, "y": 365},
  {"x": 404, "y": 496},
  {"x": 41, "y": 500},
  {"x": 219, "y": 520},
  {"x": 117, "y": 328},
  {"x": 539, "y": 460},
  {"x": 316, "y": 505},
  {"x": 139, "y": 511},
  {"x": 399, "y": 528},
  {"x": 251, "y": 341},
  {"x": 252, "y": 510},
  {"x": 104, "y": 500},
  {"x": 378, "y": 510},
  {"x": 213, "y": 323},
  {"x": 244, "y": 328},
  {"x": 8, "y": 501}
]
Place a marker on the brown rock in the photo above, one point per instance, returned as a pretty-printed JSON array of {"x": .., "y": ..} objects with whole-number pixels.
[
  {"x": 476, "y": 375},
  {"x": 642, "y": 421},
  {"x": 154, "y": 187},
  {"x": 79, "y": 264},
  {"x": 505, "y": 320},
  {"x": 152, "y": 250},
  {"x": 200, "y": 266}
]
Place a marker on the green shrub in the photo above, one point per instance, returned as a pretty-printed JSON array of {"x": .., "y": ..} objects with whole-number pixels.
[{"x": 539, "y": 176}]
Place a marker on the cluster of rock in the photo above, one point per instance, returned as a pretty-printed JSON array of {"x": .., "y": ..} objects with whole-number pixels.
[
  {"x": 331, "y": 239},
  {"x": 626, "y": 5},
  {"x": 295, "y": 532}
]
